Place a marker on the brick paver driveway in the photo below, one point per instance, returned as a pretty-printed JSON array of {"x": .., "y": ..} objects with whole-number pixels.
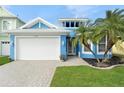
[
  {"x": 33, "y": 73},
  {"x": 27, "y": 73}
]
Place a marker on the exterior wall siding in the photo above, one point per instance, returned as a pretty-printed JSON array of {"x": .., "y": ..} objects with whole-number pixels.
[
  {"x": 35, "y": 26},
  {"x": 15, "y": 24},
  {"x": 43, "y": 26},
  {"x": 0, "y": 24},
  {"x": 39, "y": 25},
  {"x": 63, "y": 46},
  {"x": 90, "y": 55},
  {"x": 19, "y": 23},
  {"x": 12, "y": 20},
  {"x": 12, "y": 46}
]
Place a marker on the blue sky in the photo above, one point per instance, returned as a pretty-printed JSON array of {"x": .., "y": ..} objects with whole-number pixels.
[{"x": 52, "y": 13}]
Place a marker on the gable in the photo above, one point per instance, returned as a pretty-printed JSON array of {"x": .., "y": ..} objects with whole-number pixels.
[
  {"x": 39, "y": 25},
  {"x": 5, "y": 13}
]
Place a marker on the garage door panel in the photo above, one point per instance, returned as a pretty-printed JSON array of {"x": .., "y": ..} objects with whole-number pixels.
[
  {"x": 5, "y": 48},
  {"x": 42, "y": 48}
]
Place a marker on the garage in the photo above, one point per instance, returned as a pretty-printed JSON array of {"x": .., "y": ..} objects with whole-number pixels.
[
  {"x": 5, "y": 48},
  {"x": 37, "y": 48}
]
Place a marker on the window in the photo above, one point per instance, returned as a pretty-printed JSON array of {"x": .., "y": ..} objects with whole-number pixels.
[
  {"x": 63, "y": 24},
  {"x": 102, "y": 45},
  {"x": 77, "y": 24},
  {"x": 5, "y": 42},
  {"x": 86, "y": 49},
  {"x": 67, "y": 24},
  {"x": 6, "y": 25},
  {"x": 81, "y": 23},
  {"x": 72, "y": 24}
]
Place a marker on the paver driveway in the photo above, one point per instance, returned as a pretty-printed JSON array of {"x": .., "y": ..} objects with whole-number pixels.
[
  {"x": 33, "y": 73},
  {"x": 27, "y": 73}
]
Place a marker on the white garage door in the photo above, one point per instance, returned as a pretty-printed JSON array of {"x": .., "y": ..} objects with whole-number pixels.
[
  {"x": 37, "y": 48},
  {"x": 5, "y": 48}
]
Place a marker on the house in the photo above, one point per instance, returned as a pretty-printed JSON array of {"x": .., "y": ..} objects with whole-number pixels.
[
  {"x": 8, "y": 21},
  {"x": 41, "y": 40}
]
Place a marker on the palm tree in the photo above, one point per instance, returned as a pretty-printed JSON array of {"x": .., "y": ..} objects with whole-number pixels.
[
  {"x": 84, "y": 35},
  {"x": 111, "y": 26}
]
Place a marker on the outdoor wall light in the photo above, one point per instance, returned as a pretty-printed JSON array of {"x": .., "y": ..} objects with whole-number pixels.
[{"x": 63, "y": 43}]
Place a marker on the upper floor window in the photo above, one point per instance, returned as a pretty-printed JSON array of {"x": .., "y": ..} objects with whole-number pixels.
[
  {"x": 81, "y": 23},
  {"x": 6, "y": 25},
  {"x": 86, "y": 49},
  {"x": 72, "y": 24},
  {"x": 67, "y": 24},
  {"x": 77, "y": 24},
  {"x": 63, "y": 24}
]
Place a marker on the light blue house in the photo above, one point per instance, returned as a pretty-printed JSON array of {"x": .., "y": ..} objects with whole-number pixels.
[{"x": 41, "y": 40}]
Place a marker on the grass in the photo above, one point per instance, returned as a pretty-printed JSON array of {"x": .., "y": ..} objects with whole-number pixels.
[
  {"x": 4, "y": 60},
  {"x": 84, "y": 76}
]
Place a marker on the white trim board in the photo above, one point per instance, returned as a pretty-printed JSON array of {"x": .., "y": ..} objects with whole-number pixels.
[
  {"x": 87, "y": 52},
  {"x": 38, "y": 19},
  {"x": 98, "y": 52}
]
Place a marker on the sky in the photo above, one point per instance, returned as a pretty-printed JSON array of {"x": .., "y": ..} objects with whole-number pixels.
[{"x": 52, "y": 13}]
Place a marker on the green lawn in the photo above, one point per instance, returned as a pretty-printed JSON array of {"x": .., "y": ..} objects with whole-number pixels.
[
  {"x": 84, "y": 76},
  {"x": 4, "y": 60}
]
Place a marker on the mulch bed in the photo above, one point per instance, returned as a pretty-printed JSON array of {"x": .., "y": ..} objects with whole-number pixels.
[{"x": 113, "y": 61}]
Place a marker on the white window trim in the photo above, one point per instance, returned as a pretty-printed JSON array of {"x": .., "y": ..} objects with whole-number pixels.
[
  {"x": 74, "y": 24},
  {"x": 63, "y": 24},
  {"x": 98, "y": 47},
  {"x": 69, "y": 23},
  {"x": 84, "y": 52},
  {"x": 3, "y": 21}
]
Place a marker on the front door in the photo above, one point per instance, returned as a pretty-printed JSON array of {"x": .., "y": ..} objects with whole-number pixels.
[{"x": 70, "y": 48}]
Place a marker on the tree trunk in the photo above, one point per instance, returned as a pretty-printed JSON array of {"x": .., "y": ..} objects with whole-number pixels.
[
  {"x": 109, "y": 46},
  {"x": 105, "y": 60},
  {"x": 87, "y": 45}
]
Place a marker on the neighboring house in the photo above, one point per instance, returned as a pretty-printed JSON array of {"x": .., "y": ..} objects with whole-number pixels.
[
  {"x": 8, "y": 21},
  {"x": 41, "y": 40}
]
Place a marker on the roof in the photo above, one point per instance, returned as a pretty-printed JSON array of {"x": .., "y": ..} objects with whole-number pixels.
[
  {"x": 37, "y": 32},
  {"x": 73, "y": 19},
  {"x": 5, "y": 13},
  {"x": 36, "y": 20}
]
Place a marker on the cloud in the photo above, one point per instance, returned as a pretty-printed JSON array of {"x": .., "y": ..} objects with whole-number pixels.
[{"x": 83, "y": 10}]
